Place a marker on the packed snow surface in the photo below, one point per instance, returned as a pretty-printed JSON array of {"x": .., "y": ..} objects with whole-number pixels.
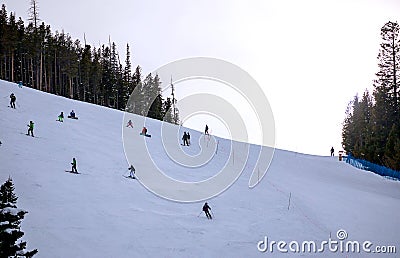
[{"x": 101, "y": 213}]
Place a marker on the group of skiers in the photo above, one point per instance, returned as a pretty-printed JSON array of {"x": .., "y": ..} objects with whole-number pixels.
[
  {"x": 185, "y": 138},
  {"x": 61, "y": 116},
  {"x": 31, "y": 126}
]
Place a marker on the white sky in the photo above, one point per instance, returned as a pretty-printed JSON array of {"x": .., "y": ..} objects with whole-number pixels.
[{"x": 310, "y": 57}]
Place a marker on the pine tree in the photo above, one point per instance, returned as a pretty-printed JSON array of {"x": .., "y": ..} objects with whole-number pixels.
[
  {"x": 149, "y": 93},
  {"x": 127, "y": 80},
  {"x": 175, "y": 111},
  {"x": 371, "y": 129},
  {"x": 386, "y": 109},
  {"x": 106, "y": 77},
  {"x": 85, "y": 66},
  {"x": 386, "y": 85},
  {"x": 362, "y": 131},
  {"x": 357, "y": 129},
  {"x": 10, "y": 220},
  {"x": 115, "y": 85},
  {"x": 392, "y": 148},
  {"x": 95, "y": 77},
  {"x": 3, "y": 41},
  {"x": 136, "y": 101},
  {"x": 34, "y": 13},
  {"x": 156, "y": 107},
  {"x": 348, "y": 129},
  {"x": 167, "y": 111}
]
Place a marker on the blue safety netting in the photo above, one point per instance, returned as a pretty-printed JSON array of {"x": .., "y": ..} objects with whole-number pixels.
[{"x": 369, "y": 166}]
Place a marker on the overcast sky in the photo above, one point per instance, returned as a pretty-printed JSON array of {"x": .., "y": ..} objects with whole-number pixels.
[{"x": 310, "y": 57}]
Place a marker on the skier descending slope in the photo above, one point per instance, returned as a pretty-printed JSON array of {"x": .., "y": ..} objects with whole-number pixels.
[
  {"x": 61, "y": 117},
  {"x": 72, "y": 115},
  {"x": 144, "y": 132},
  {"x": 30, "y": 128},
  {"x": 73, "y": 170},
  {"x": 132, "y": 172},
  {"x": 206, "y": 210},
  {"x": 12, "y": 100},
  {"x": 185, "y": 139},
  {"x": 130, "y": 124}
]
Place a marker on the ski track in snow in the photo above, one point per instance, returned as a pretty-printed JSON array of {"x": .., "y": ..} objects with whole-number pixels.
[{"x": 99, "y": 213}]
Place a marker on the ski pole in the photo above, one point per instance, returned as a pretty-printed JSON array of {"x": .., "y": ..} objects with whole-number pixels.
[{"x": 200, "y": 213}]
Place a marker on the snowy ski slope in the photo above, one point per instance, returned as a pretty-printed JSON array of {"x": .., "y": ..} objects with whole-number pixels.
[{"x": 100, "y": 213}]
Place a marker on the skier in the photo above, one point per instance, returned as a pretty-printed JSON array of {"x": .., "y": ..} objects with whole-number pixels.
[
  {"x": 144, "y": 131},
  {"x": 73, "y": 170},
  {"x": 332, "y": 152},
  {"x": 188, "y": 138},
  {"x": 206, "y": 130},
  {"x": 12, "y": 100},
  {"x": 132, "y": 172},
  {"x": 185, "y": 139},
  {"x": 61, "y": 117},
  {"x": 206, "y": 209},
  {"x": 30, "y": 128},
  {"x": 72, "y": 114},
  {"x": 130, "y": 124}
]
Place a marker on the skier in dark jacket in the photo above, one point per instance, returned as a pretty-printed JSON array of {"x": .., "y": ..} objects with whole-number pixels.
[
  {"x": 206, "y": 130},
  {"x": 12, "y": 100},
  {"x": 73, "y": 170},
  {"x": 185, "y": 139},
  {"x": 206, "y": 209},
  {"x": 332, "y": 152},
  {"x": 30, "y": 128},
  {"x": 72, "y": 114},
  {"x": 132, "y": 172}
]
